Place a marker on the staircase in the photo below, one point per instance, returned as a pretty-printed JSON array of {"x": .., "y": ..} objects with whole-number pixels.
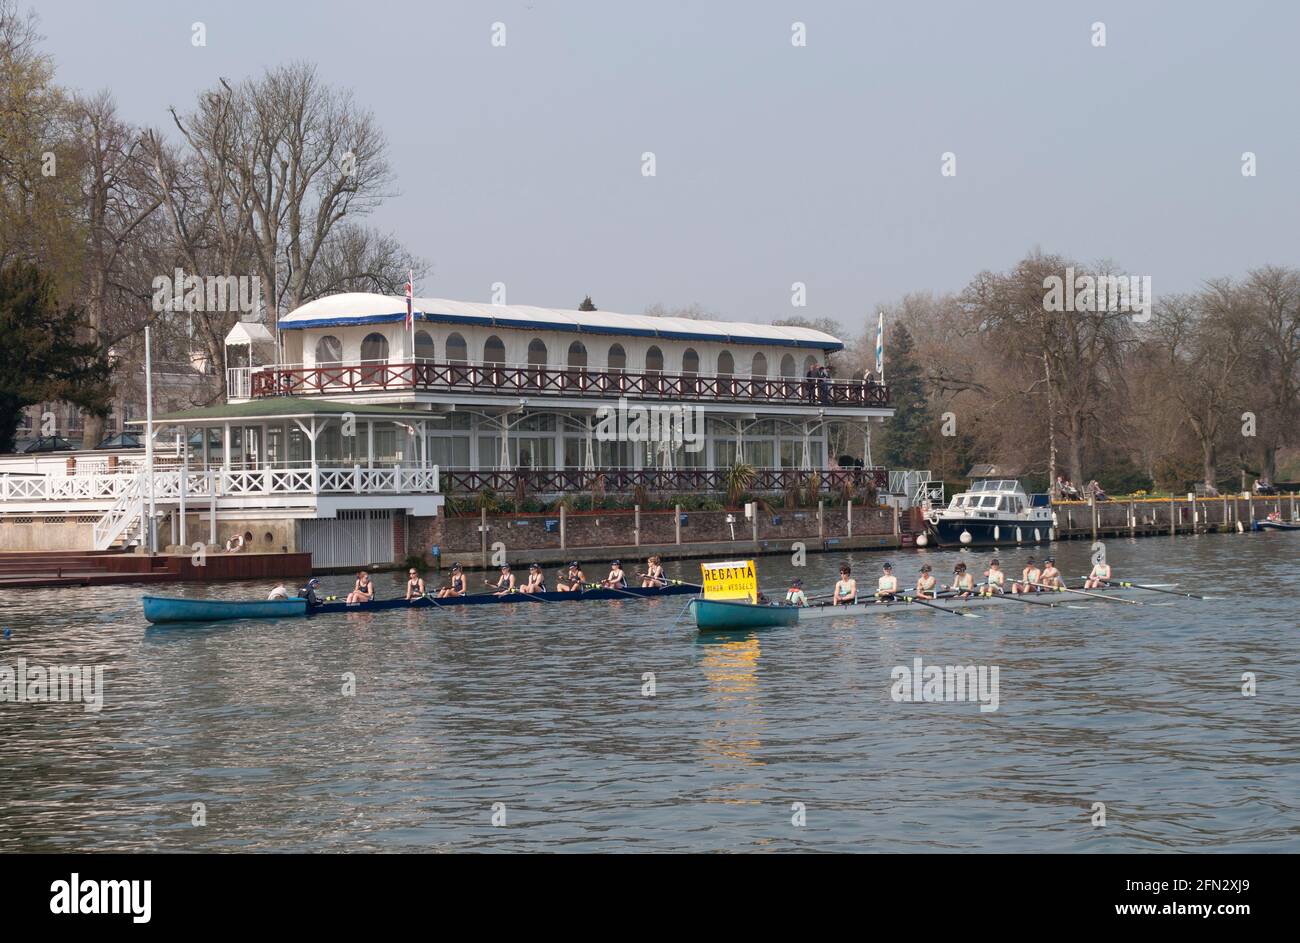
[{"x": 123, "y": 524}]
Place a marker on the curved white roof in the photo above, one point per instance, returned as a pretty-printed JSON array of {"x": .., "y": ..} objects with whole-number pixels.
[{"x": 354, "y": 308}]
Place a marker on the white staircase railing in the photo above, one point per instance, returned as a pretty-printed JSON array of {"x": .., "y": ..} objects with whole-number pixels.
[{"x": 126, "y": 513}]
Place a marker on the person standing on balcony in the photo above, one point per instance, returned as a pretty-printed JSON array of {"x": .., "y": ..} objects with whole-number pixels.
[
  {"x": 810, "y": 380},
  {"x": 363, "y": 590},
  {"x": 824, "y": 383}
]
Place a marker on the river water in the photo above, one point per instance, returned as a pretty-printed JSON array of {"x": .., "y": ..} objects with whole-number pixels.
[{"x": 539, "y": 712}]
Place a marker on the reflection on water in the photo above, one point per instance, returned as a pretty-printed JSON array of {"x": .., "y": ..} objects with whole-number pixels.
[{"x": 540, "y": 707}]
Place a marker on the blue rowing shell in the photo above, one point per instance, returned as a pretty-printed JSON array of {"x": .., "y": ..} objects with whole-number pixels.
[
  {"x": 490, "y": 599},
  {"x": 162, "y": 609}
]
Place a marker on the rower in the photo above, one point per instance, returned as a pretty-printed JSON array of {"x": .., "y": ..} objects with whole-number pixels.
[
  {"x": 1099, "y": 576},
  {"x": 279, "y": 592},
  {"x": 963, "y": 584},
  {"x": 309, "y": 593},
  {"x": 887, "y": 586},
  {"x": 505, "y": 584},
  {"x": 536, "y": 582},
  {"x": 573, "y": 580},
  {"x": 414, "y": 585},
  {"x": 457, "y": 586},
  {"x": 363, "y": 590},
  {"x": 617, "y": 579},
  {"x": 846, "y": 590},
  {"x": 925, "y": 583},
  {"x": 654, "y": 573},
  {"x": 795, "y": 595},
  {"x": 1028, "y": 576},
  {"x": 1051, "y": 576},
  {"x": 994, "y": 579}
]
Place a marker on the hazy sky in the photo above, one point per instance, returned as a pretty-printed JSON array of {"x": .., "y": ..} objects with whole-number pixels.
[{"x": 775, "y": 164}]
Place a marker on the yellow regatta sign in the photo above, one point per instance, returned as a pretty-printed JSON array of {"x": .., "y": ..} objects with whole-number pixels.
[{"x": 736, "y": 579}]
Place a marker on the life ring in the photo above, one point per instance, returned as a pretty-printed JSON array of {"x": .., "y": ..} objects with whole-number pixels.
[{"x": 235, "y": 544}]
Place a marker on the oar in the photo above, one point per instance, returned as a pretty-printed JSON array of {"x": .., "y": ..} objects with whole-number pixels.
[
  {"x": 1066, "y": 589},
  {"x": 1156, "y": 589},
  {"x": 616, "y": 590},
  {"x": 923, "y": 602},
  {"x": 1019, "y": 597}
]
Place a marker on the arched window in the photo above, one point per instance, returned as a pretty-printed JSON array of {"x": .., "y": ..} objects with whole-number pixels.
[
  {"x": 759, "y": 368},
  {"x": 457, "y": 352},
  {"x": 494, "y": 350},
  {"x": 423, "y": 346},
  {"x": 577, "y": 354},
  {"x": 787, "y": 366},
  {"x": 654, "y": 360},
  {"x": 374, "y": 349},
  {"x": 726, "y": 364},
  {"x": 690, "y": 362},
  {"x": 617, "y": 357},
  {"x": 329, "y": 349},
  {"x": 536, "y": 353}
]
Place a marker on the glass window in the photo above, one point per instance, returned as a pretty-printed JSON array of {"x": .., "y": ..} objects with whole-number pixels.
[
  {"x": 329, "y": 349},
  {"x": 726, "y": 364},
  {"x": 617, "y": 357},
  {"x": 759, "y": 368},
  {"x": 577, "y": 354},
  {"x": 690, "y": 361},
  {"x": 423, "y": 346},
  {"x": 374, "y": 349},
  {"x": 536, "y": 353},
  {"x": 654, "y": 360},
  {"x": 456, "y": 349},
  {"x": 494, "y": 350},
  {"x": 787, "y": 366}
]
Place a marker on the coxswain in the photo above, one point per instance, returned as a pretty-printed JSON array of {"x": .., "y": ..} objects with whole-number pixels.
[
  {"x": 617, "y": 579},
  {"x": 536, "y": 582},
  {"x": 456, "y": 587},
  {"x": 309, "y": 593},
  {"x": 1051, "y": 576},
  {"x": 414, "y": 585},
  {"x": 846, "y": 589},
  {"x": 994, "y": 579},
  {"x": 279, "y": 592},
  {"x": 654, "y": 573},
  {"x": 1028, "y": 577},
  {"x": 925, "y": 583},
  {"x": 572, "y": 580},
  {"x": 363, "y": 590},
  {"x": 963, "y": 584},
  {"x": 1099, "y": 576},
  {"x": 795, "y": 595},
  {"x": 505, "y": 584},
  {"x": 887, "y": 586}
]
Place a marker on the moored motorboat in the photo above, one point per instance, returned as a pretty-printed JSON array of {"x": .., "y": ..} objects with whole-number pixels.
[
  {"x": 164, "y": 609},
  {"x": 1275, "y": 525}
]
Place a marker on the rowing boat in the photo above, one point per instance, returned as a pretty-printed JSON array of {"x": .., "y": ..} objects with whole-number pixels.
[
  {"x": 716, "y": 615},
  {"x": 1275, "y": 525},
  {"x": 161, "y": 609},
  {"x": 165, "y": 609}
]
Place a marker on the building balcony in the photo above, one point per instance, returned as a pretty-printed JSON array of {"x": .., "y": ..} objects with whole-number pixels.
[
  {"x": 547, "y": 381},
  {"x": 655, "y": 480}
]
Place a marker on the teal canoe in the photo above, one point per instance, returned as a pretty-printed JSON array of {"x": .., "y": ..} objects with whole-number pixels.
[
  {"x": 163, "y": 609},
  {"x": 726, "y": 615}
]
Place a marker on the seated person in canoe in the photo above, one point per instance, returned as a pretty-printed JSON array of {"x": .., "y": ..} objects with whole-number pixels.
[
  {"x": 363, "y": 590},
  {"x": 654, "y": 573},
  {"x": 1098, "y": 577},
  {"x": 279, "y": 592},
  {"x": 572, "y": 580},
  {"x": 1051, "y": 576},
  {"x": 963, "y": 584},
  {"x": 887, "y": 585},
  {"x": 310, "y": 592},
  {"x": 795, "y": 595},
  {"x": 505, "y": 584},
  {"x": 925, "y": 583},
  {"x": 994, "y": 579},
  {"x": 457, "y": 586},
  {"x": 846, "y": 588},
  {"x": 536, "y": 582},
  {"x": 1030, "y": 575}
]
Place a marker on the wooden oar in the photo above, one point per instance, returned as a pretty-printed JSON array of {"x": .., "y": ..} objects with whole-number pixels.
[
  {"x": 1066, "y": 589},
  {"x": 1155, "y": 589}
]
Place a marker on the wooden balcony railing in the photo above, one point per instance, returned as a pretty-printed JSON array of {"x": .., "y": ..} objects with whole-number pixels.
[
  {"x": 679, "y": 481},
  {"x": 527, "y": 380}
]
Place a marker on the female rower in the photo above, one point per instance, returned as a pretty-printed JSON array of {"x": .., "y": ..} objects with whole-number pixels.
[
  {"x": 994, "y": 579},
  {"x": 1051, "y": 576},
  {"x": 1099, "y": 576},
  {"x": 363, "y": 590},
  {"x": 887, "y": 585},
  {"x": 617, "y": 579},
  {"x": 654, "y": 573},
  {"x": 536, "y": 582},
  {"x": 506, "y": 583},
  {"x": 846, "y": 590},
  {"x": 963, "y": 584},
  {"x": 414, "y": 585},
  {"x": 457, "y": 585},
  {"x": 795, "y": 595},
  {"x": 1028, "y": 576},
  {"x": 925, "y": 583},
  {"x": 573, "y": 580}
]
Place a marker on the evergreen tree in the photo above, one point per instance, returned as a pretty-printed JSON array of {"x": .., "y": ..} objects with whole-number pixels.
[
  {"x": 587, "y": 304},
  {"x": 908, "y": 432},
  {"x": 42, "y": 357}
]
